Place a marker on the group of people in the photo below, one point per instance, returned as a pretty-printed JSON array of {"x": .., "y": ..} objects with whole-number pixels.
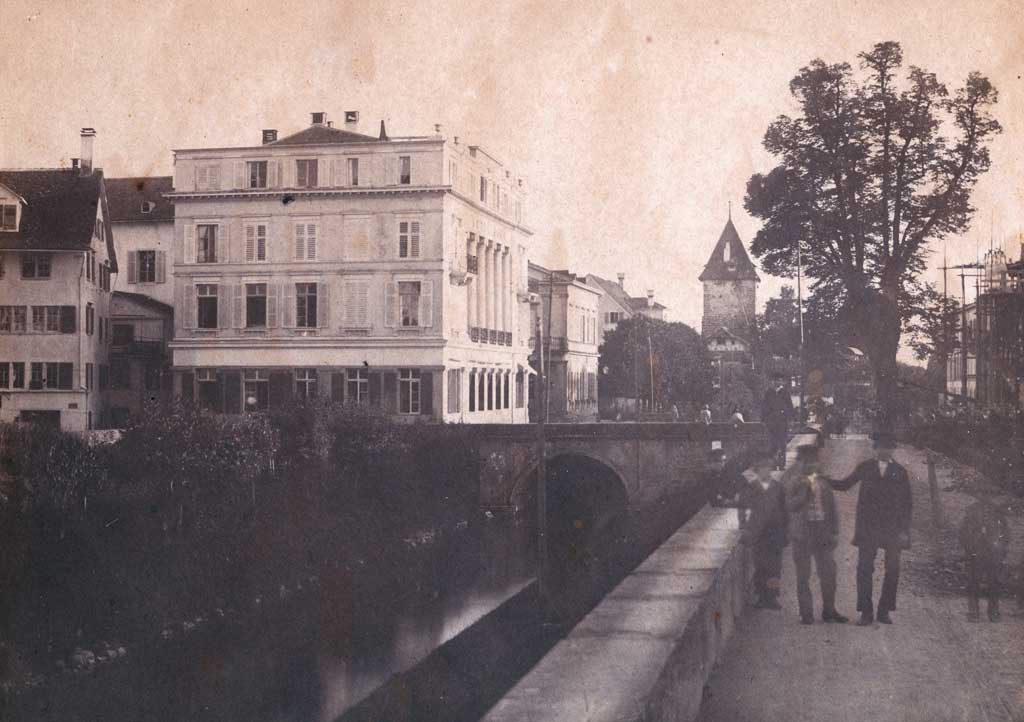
[{"x": 799, "y": 510}]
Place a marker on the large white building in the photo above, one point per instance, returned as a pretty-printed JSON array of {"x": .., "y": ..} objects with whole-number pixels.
[
  {"x": 388, "y": 271},
  {"x": 57, "y": 262}
]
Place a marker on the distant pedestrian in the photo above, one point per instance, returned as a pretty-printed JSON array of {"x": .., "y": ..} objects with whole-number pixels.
[
  {"x": 776, "y": 413},
  {"x": 723, "y": 482},
  {"x": 985, "y": 536},
  {"x": 705, "y": 414},
  {"x": 763, "y": 521},
  {"x": 883, "y": 522},
  {"x": 813, "y": 531},
  {"x": 736, "y": 417}
]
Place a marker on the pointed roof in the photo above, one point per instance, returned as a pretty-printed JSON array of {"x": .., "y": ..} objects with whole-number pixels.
[
  {"x": 323, "y": 134},
  {"x": 736, "y": 266},
  {"x": 127, "y": 196}
]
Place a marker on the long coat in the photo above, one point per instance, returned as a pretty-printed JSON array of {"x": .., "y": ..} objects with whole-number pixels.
[
  {"x": 883, "y": 506},
  {"x": 767, "y": 520},
  {"x": 777, "y": 409},
  {"x": 798, "y": 495}
]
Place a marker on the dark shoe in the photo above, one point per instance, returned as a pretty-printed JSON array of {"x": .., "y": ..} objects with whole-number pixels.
[
  {"x": 866, "y": 620},
  {"x": 807, "y": 620},
  {"x": 884, "y": 618},
  {"x": 834, "y": 617}
]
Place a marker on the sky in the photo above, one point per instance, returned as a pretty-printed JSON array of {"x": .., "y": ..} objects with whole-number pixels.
[{"x": 634, "y": 124}]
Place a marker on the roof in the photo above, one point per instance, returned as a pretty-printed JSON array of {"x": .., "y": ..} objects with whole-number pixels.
[
  {"x": 738, "y": 267},
  {"x": 725, "y": 333},
  {"x": 59, "y": 212},
  {"x": 539, "y": 275},
  {"x": 145, "y": 300},
  {"x": 633, "y": 304},
  {"x": 126, "y": 196},
  {"x": 323, "y": 134}
]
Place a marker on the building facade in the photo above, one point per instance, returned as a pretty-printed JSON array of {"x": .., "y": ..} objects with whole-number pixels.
[
  {"x": 617, "y": 305},
  {"x": 56, "y": 274},
  {"x": 570, "y": 345},
  {"x": 366, "y": 269}
]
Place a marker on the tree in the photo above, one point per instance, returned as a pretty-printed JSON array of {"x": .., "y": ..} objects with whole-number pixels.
[
  {"x": 867, "y": 179},
  {"x": 682, "y": 371}
]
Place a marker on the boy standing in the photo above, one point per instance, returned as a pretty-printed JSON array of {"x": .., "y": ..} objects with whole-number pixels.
[
  {"x": 723, "y": 483},
  {"x": 763, "y": 521},
  {"x": 985, "y": 536}
]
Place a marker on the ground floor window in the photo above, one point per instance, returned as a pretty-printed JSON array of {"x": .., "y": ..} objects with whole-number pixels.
[
  {"x": 472, "y": 390},
  {"x": 208, "y": 388},
  {"x": 408, "y": 391},
  {"x": 454, "y": 391},
  {"x": 305, "y": 383},
  {"x": 357, "y": 386},
  {"x": 257, "y": 389}
]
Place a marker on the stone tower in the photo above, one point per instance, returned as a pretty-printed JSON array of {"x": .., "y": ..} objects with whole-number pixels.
[{"x": 730, "y": 289}]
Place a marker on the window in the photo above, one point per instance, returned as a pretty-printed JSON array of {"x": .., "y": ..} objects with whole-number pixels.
[
  {"x": 483, "y": 189},
  {"x": 305, "y": 305},
  {"x": 256, "y": 242},
  {"x": 35, "y": 380},
  {"x": 305, "y": 241},
  {"x": 409, "y": 239},
  {"x": 408, "y": 391},
  {"x": 17, "y": 375},
  {"x": 104, "y": 376},
  {"x": 357, "y": 386},
  {"x": 404, "y": 170},
  {"x": 5, "y": 375},
  {"x": 257, "y": 389},
  {"x": 207, "y": 177},
  {"x": 305, "y": 383},
  {"x": 35, "y": 265},
  {"x": 613, "y": 316},
  {"x": 206, "y": 305},
  {"x": 8, "y": 217},
  {"x": 50, "y": 375},
  {"x": 305, "y": 173},
  {"x": 123, "y": 334},
  {"x": 206, "y": 243},
  {"x": 90, "y": 319},
  {"x": 472, "y": 390},
  {"x": 47, "y": 319},
  {"x": 353, "y": 171},
  {"x": 454, "y": 390},
  {"x": 88, "y": 376},
  {"x": 255, "y": 305},
  {"x": 409, "y": 302},
  {"x": 120, "y": 374},
  {"x": 520, "y": 389},
  {"x": 257, "y": 173},
  {"x": 147, "y": 266},
  {"x": 12, "y": 319}
]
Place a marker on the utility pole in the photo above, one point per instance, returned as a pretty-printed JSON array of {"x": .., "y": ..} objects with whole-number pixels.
[
  {"x": 542, "y": 475},
  {"x": 800, "y": 314},
  {"x": 650, "y": 357}
]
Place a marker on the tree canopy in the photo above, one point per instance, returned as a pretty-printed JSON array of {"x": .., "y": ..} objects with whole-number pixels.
[{"x": 874, "y": 168}]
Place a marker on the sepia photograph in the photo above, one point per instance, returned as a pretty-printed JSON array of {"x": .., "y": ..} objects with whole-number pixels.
[{"x": 522, "y": 361}]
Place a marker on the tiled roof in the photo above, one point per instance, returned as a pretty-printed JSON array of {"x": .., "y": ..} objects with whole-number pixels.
[
  {"x": 738, "y": 267},
  {"x": 59, "y": 212},
  {"x": 144, "y": 300},
  {"x": 630, "y": 303},
  {"x": 323, "y": 134},
  {"x": 126, "y": 197},
  {"x": 639, "y": 304}
]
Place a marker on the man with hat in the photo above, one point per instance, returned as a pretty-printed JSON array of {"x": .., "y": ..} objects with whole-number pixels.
[
  {"x": 883, "y": 522},
  {"x": 776, "y": 413},
  {"x": 813, "y": 530}
]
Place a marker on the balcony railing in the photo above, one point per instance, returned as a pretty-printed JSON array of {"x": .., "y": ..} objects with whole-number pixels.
[
  {"x": 471, "y": 264},
  {"x": 138, "y": 346},
  {"x": 485, "y": 335}
]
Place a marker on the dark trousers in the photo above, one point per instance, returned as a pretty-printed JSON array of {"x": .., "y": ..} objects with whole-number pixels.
[
  {"x": 981, "y": 572},
  {"x": 767, "y": 571},
  {"x": 865, "y": 572},
  {"x": 817, "y": 544},
  {"x": 778, "y": 435}
]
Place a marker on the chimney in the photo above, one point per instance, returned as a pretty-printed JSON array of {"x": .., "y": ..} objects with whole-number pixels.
[
  {"x": 269, "y": 135},
  {"x": 383, "y": 132},
  {"x": 88, "y": 136},
  {"x": 351, "y": 120},
  {"x": 319, "y": 118},
  {"x": 650, "y": 298},
  {"x": 622, "y": 281}
]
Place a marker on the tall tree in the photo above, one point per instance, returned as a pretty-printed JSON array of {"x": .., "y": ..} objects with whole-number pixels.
[{"x": 870, "y": 173}]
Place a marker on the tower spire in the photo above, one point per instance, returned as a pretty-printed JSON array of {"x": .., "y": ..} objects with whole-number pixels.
[{"x": 730, "y": 210}]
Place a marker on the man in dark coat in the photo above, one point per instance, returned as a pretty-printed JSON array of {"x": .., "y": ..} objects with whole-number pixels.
[
  {"x": 813, "y": 530},
  {"x": 763, "y": 521},
  {"x": 985, "y": 536},
  {"x": 776, "y": 413},
  {"x": 723, "y": 481},
  {"x": 883, "y": 522}
]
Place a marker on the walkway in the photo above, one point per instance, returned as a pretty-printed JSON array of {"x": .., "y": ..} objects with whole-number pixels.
[{"x": 930, "y": 666}]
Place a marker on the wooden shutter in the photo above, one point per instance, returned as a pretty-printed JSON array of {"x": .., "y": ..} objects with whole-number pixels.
[
  {"x": 300, "y": 241},
  {"x": 261, "y": 242},
  {"x": 280, "y": 386},
  {"x": 161, "y": 266},
  {"x": 391, "y": 171},
  {"x": 239, "y": 174},
  {"x": 273, "y": 296},
  {"x": 224, "y": 305},
  {"x": 189, "y": 244},
  {"x": 323, "y": 172},
  {"x": 338, "y": 172},
  {"x": 427, "y": 393},
  {"x": 188, "y": 386},
  {"x": 189, "y": 322},
  {"x": 374, "y": 387},
  {"x": 202, "y": 177},
  {"x": 390, "y": 304},
  {"x": 250, "y": 243},
  {"x": 273, "y": 173},
  {"x": 414, "y": 239},
  {"x": 427, "y": 303},
  {"x": 133, "y": 266},
  {"x": 223, "y": 247},
  {"x": 323, "y": 304},
  {"x": 311, "y": 240},
  {"x": 68, "y": 319},
  {"x": 288, "y": 312},
  {"x": 389, "y": 391},
  {"x": 338, "y": 386},
  {"x": 214, "y": 177},
  {"x": 239, "y": 304}
]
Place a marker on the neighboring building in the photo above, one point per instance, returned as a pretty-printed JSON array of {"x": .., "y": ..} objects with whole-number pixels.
[
  {"x": 571, "y": 345},
  {"x": 387, "y": 271},
  {"x": 141, "y": 327},
  {"x": 142, "y": 220},
  {"x": 617, "y": 305},
  {"x": 56, "y": 272}
]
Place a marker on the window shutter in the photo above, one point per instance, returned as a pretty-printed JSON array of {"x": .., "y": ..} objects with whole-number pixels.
[
  {"x": 224, "y": 305},
  {"x": 300, "y": 241},
  {"x": 323, "y": 172},
  {"x": 189, "y": 322},
  {"x": 133, "y": 266},
  {"x": 273, "y": 295},
  {"x": 414, "y": 239},
  {"x": 250, "y": 244},
  {"x": 223, "y": 247},
  {"x": 427, "y": 303},
  {"x": 338, "y": 172},
  {"x": 391, "y": 171},
  {"x": 214, "y": 177},
  {"x": 202, "y": 177},
  {"x": 239, "y": 174},
  {"x": 161, "y": 266},
  {"x": 288, "y": 313},
  {"x": 323, "y": 304},
  {"x": 390, "y": 304},
  {"x": 389, "y": 391},
  {"x": 311, "y": 233},
  {"x": 68, "y": 319},
  {"x": 261, "y": 242},
  {"x": 273, "y": 173},
  {"x": 363, "y": 304},
  {"x": 190, "y": 243},
  {"x": 374, "y": 384},
  {"x": 427, "y": 393},
  {"x": 239, "y": 305}
]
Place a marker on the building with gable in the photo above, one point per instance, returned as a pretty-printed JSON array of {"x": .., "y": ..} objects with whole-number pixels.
[
  {"x": 56, "y": 269},
  {"x": 617, "y": 305}
]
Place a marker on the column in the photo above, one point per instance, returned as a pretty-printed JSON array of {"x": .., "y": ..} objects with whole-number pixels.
[
  {"x": 481, "y": 284},
  {"x": 471, "y": 287},
  {"x": 503, "y": 291},
  {"x": 492, "y": 296}
]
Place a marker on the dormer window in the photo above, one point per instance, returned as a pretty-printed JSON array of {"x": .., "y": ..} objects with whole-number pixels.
[
  {"x": 9, "y": 217},
  {"x": 147, "y": 206}
]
